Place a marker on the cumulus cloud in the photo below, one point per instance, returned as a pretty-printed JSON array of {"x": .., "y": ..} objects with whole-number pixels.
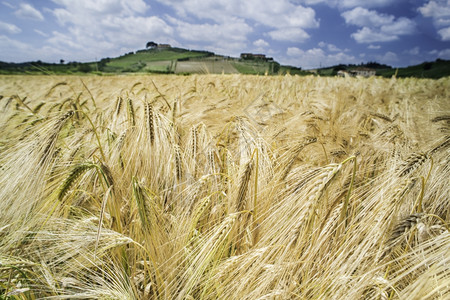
[
  {"x": 439, "y": 11},
  {"x": 261, "y": 43},
  {"x": 445, "y": 54},
  {"x": 414, "y": 51},
  {"x": 364, "y": 3},
  {"x": 14, "y": 51},
  {"x": 233, "y": 30},
  {"x": 7, "y": 4},
  {"x": 229, "y": 37},
  {"x": 363, "y": 17},
  {"x": 374, "y": 47},
  {"x": 294, "y": 51},
  {"x": 402, "y": 26},
  {"x": 26, "y": 11},
  {"x": 277, "y": 14},
  {"x": 289, "y": 34},
  {"x": 367, "y": 35},
  {"x": 311, "y": 2},
  {"x": 329, "y": 47},
  {"x": 377, "y": 27},
  {"x": 445, "y": 34},
  {"x": 11, "y": 49},
  {"x": 9, "y": 28},
  {"x": 108, "y": 27},
  {"x": 388, "y": 58},
  {"x": 286, "y": 21},
  {"x": 103, "y": 8},
  {"x": 345, "y": 4},
  {"x": 436, "y": 9},
  {"x": 315, "y": 57},
  {"x": 41, "y": 33}
]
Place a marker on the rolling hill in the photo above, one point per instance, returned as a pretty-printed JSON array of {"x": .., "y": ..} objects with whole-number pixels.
[{"x": 172, "y": 60}]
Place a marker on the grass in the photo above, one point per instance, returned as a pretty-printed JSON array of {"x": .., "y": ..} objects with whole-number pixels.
[
  {"x": 253, "y": 68},
  {"x": 175, "y": 187},
  {"x": 437, "y": 69},
  {"x": 152, "y": 56}
]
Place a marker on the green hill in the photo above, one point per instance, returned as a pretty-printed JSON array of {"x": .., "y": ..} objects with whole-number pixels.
[
  {"x": 167, "y": 60},
  {"x": 437, "y": 69},
  {"x": 172, "y": 60}
]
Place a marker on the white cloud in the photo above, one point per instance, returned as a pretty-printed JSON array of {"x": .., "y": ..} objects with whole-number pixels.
[
  {"x": 345, "y": 4},
  {"x": 276, "y": 14},
  {"x": 413, "y": 51},
  {"x": 11, "y": 49},
  {"x": 285, "y": 20},
  {"x": 388, "y": 58},
  {"x": 314, "y": 58},
  {"x": 333, "y": 48},
  {"x": 225, "y": 47},
  {"x": 367, "y": 35},
  {"x": 444, "y": 54},
  {"x": 105, "y": 7},
  {"x": 107, "y": 27},
  {"x": 374, "y": 47},
  {"x": 330, "y": 47},
  {"x": 232, "y": 30},
  {"x": 445, "y": 34},
  {"x": 261, "y": 43},
  {"x": 377, "y": 27},
  {"x": 294, "y": 51},
  {"x": 364, "y": 3},
  {"x": 402, "y": 26},
  {"x": 14, "y": 51},
  {"x": 9, "y": 28},
  {"x": 7, "y": 4},
  {"x": 289, "y": 34},
  {"x": 26, "y": 11},
  {"x": 439, "y": 11},
  {"x": 311, "y": 2},
  {"x": 363, "y": 17},
  {"x": 436, "y": 9},
  {"x": 41, "y": 33}
]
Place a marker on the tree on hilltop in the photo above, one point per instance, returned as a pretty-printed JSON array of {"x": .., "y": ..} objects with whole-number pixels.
[{"x": 151, "y": 44}]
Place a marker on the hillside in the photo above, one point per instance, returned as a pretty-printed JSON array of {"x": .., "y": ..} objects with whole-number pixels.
[
  {"x": 170, "y": 60},
  {"x": 437, "y": 69}
]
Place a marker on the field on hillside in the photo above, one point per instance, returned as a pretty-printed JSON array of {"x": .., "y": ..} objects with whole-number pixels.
[
  {"x": 224, "y": 187},
  {"x": 205, "y": 67}
]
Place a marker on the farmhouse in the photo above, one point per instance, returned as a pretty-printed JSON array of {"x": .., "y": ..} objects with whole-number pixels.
[
  {"x": 163, "y": 46},
  {"x": 364, "y": 72},
  {"x": 255, "y": 56},
  {"x": 153, "y": 45}
]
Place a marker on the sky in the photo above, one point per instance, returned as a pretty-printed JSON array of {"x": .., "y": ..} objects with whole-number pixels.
[{"x": 302, "y": 33}]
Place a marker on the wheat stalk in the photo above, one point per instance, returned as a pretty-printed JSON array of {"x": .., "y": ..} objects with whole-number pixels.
[
  {"x": 178, "y": 162},
  {"x": 54, "y": 135},
  {"x": 131, "y": 115},
  {"x": 76, "y": 172},
  {"x": 149, "y": 122},
  {"x": 243, "y": 186},
  {"x": 295, "y": 152}
]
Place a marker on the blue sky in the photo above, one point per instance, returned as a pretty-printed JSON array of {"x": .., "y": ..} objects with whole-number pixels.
[{"x": 303, "y": 33}]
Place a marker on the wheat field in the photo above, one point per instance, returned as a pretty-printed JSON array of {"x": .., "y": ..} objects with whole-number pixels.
[{"x": 224, "y": 187}]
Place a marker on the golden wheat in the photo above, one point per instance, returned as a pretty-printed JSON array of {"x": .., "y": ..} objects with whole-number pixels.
[{"x": 224, "y": 187}]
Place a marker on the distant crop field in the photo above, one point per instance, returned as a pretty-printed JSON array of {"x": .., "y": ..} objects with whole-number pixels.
[
  {"x": 224, "y": 187},
  {"x": 205, "y": 67}
]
